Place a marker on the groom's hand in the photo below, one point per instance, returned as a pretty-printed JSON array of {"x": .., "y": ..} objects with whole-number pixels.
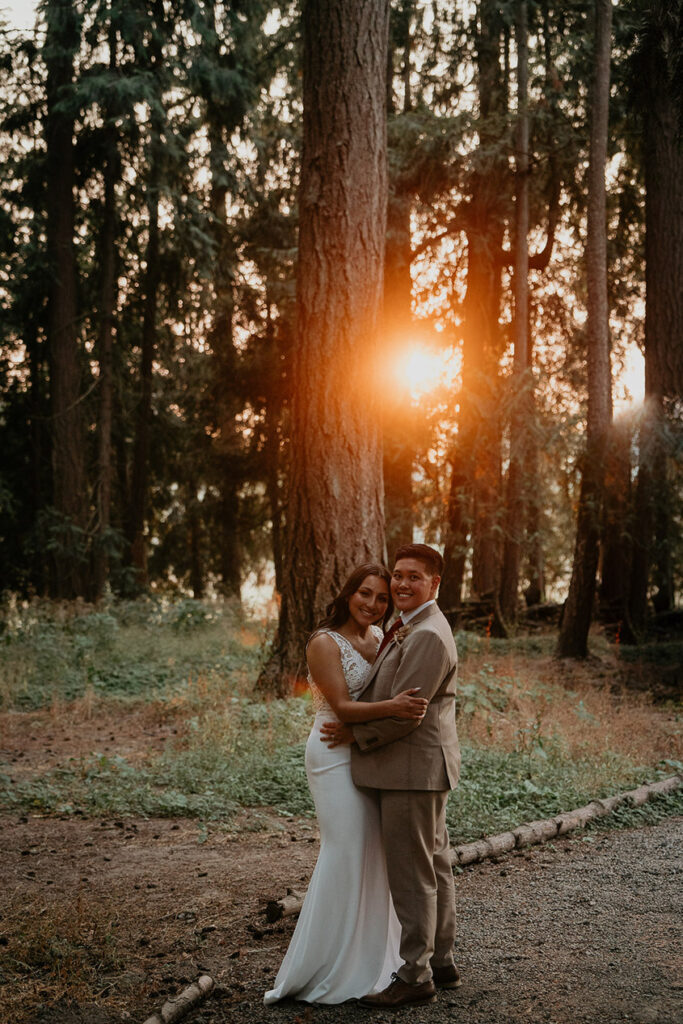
[{"x": 334, "y": 734}]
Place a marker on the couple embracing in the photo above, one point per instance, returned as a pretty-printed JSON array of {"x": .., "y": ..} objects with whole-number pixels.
[{"x": 378, "y": 921}]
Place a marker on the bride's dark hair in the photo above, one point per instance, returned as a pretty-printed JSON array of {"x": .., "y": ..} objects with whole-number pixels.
[{"x": 337, "y": 611}]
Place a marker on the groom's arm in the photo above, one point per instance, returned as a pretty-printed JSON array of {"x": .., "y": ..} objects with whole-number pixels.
[{"x": 425, "y": 664}]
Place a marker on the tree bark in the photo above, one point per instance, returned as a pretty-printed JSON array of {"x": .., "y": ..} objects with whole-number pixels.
[
  {"x": 194, "y": 531},
  {"x": 228, "y": 446},
  {"x": 68, "y": 435},
  {"x": 573, "y": 640},
  {"x": 152, "y": 277},
  {"x": 515, "y": 503},
  {"x": 223, "y": 117},
  {"x": 478, "y": 446},
  {"x": 663, "y": 151},
  {"x": 140, "y": 472},
  {"x": 399, "y": 415},
  {"x": 457, "y": 534},
  {"x": 334, "y": 509},
  {"x": 273, "y": 448},
  {"x": 617, "y": 525},
  {"x": 40, "y": 446},
  {"x": 535, "y": 569},
  {"x": 105, "y": 346}
]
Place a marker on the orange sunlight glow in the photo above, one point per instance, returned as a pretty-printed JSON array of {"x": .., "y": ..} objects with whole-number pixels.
[
  {"x": 629, "y": 384},
  {"x": 419, "y": 369}
]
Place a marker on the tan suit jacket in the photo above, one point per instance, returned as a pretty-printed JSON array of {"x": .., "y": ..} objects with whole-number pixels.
[{"x": 400, "y": 753}]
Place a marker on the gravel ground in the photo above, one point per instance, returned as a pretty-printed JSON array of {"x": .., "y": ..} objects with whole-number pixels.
[{"x": 581, "y": 930}]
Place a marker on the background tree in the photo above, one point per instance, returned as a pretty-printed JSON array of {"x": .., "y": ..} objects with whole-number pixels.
[
  {"x": 578, "y": 608},
  {"x": 397, "y": 324},
  {"x": 222, "y": 82},
  {"x": 515, "y": 510},
  {"x": 334, "y": 508},
  {"x": 657, "y": 94},
  {"x": 69, "y": 494}
]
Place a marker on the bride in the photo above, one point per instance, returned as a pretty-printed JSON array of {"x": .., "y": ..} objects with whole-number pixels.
[{"x": 346, "y": 939}]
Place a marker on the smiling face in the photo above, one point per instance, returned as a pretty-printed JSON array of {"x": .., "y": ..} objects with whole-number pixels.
[
  {"x": 369, "y": 603},
  {"x": 412, "y": 584}
]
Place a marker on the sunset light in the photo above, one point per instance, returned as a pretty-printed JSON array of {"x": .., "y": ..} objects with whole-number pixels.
[
  {"x": 629, "y": 381},
  {"x": 421, "y": 370}
]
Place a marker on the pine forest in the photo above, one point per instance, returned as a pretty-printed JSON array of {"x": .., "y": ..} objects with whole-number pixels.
[{"x": 285, "y": 286}]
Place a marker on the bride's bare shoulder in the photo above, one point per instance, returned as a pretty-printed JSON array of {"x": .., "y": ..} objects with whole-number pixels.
[{"x": 322, "y": 642}]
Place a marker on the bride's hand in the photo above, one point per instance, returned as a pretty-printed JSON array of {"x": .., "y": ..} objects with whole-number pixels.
[
  {"x": 407, "y": 705},
  {"x": 335, "y": 734}
]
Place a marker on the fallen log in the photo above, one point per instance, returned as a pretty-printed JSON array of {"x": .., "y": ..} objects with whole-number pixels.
[
  {"x": 535, "y": 832},
  {"x": 529, "y": 834},
  {"x": 492, "y": 846},
  {"x": 179, "y": 1006},
  {"x": 289, "y": 904}
]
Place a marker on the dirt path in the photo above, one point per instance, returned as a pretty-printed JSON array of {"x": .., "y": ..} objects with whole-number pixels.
[
  {"x": 584, "y": 930},
  {"x": 588, "y": 930}
]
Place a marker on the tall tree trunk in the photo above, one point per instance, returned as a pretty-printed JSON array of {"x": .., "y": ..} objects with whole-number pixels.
[
  {"x": 105, "y": 347},
  {"x": 139, "y": 487},
  {"x": 40, "y": 447},
  {"x": 334, "y": 509},
  {"x": 573, "y": 639},
  {"x": 457, "y": 534},
  {"x": 222, "y": 118},
  {"x": 140, "y": 471},
  {"x": 228, "y": 448},
  {"x": 479, "y": 427},
  {"x": 483, "y": 346},
  {"x": 515, "y": 503},
  {"x": 68, "y": 436},
  {"x": 399, "y": 415},
  {"x": 477, "y": 457},
  {"x": 659, "y": 80},
  {"x": 194, "y": 530},
  {"x": 617, "y": 525},
  {"x": 273, "y": 449}
]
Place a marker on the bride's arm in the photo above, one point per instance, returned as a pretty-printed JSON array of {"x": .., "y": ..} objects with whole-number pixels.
[{"x": 324, "y": 664}]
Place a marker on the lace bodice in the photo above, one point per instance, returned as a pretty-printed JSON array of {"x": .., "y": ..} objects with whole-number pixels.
[{"x": 354, "y": 666}]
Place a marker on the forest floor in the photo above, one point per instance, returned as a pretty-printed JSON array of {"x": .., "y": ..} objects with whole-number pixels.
[
  {"x": 586, "y": 929},
  {"x": 125, "y": 913},
  {"x": 133, "y": 859}
]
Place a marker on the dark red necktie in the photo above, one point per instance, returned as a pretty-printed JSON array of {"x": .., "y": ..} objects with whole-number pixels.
[{"x": 388, "y": 637}]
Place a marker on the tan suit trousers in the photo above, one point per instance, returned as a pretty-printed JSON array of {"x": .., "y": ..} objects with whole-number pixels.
[{"x": 420, "y": 877}]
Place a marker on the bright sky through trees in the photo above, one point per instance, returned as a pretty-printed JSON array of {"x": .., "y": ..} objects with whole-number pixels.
[
  {"x": 19, "y": 14},
  {"x": 420, "y": 370}
]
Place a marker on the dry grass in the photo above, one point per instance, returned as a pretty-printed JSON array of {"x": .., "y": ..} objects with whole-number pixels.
[
  {"x": 578, "y": 706},
  {"x": 60, "y": 950}
]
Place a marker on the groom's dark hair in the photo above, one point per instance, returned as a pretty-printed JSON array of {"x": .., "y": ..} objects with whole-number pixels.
[{"x": 433, "y": 562}]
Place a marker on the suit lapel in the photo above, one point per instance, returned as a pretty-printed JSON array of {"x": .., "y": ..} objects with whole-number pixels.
[{"x": 432, "y": 609}]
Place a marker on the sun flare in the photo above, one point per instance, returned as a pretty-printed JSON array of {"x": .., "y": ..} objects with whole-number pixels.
[
  {"x": 421, "y": 370},
  {"x": 629, "y": 383}
]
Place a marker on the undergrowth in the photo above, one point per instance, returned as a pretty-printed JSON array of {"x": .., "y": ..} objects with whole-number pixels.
[
  {"x": 144, "y": 648},
  {"x": 538, "y": 737}
]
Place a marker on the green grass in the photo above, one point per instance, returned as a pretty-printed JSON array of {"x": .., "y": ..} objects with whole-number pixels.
[
  {"x": 497, "y": 791},
  {"x": 144, "y": 648},
  {"x": 530, "y": 745}
]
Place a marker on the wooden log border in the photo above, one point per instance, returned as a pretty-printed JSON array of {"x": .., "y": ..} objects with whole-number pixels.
[
  {"x": 541, "y": 831},
  {"x": 531, "y": 833},
  {"x": 179, "y": 1006}
]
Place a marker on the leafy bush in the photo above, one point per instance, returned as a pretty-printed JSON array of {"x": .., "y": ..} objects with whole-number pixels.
[{"x": 133, "y": 649}]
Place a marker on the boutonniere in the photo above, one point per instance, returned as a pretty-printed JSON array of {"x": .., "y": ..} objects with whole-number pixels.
[{"x": 402, "y": 633}]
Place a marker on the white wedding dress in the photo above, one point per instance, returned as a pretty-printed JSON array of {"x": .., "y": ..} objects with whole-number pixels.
[{"x": 346, "y": 939}]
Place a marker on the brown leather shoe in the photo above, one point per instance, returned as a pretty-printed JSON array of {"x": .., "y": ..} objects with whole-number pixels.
[
  {"x": 400, "y": 993},
  {"x": 446, "y": 977}
]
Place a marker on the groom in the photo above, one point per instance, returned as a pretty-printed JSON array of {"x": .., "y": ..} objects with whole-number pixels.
[{"x": 411, "y": 765}]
